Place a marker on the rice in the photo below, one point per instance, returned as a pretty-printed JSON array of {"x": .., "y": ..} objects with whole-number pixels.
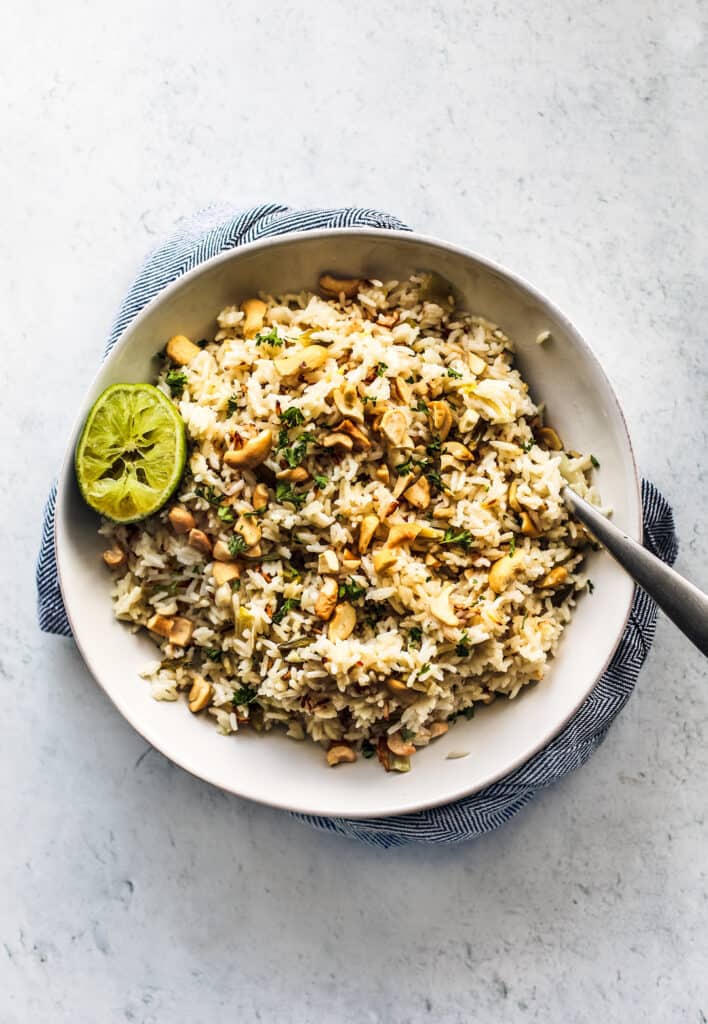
[{"x": 414, "y": 558}]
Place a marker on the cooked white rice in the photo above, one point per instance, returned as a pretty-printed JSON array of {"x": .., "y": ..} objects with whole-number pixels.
[{"x": 430, "y": 637}]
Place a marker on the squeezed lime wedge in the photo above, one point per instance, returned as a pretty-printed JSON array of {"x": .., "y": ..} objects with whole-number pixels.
[{"x": 131, "y": 452}]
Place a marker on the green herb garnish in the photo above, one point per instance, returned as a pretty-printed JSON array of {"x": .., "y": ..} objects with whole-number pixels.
[
  {"x": 367, "y": 750},
  {"x": 269, "y": 338},
  {"x": 455, "y": 374},
  {"x": 381, "y": 369},
  {"x": 512, "y": 544},
  {"x": 176, "y": 381},
  {"x": 233, "y": 404},
  {"x": 244, "y": 695},
  {"x": 225, "y": 514},
  {"x": 462, "y": 649},
  {"x": 406, "y": 734},
  {"x": 287, "y": 606},
  {"x": 321, "y": 480},
  {"x": 236, "y": 544},
  {"x": 469, "y": 712},
  {"x": 292, "y": 416},
  {"x": 591, "y": 587},
  {"x": 284, "y": 492},
  {"x": 420, "y": 406},
  {"x": 424, "y": 670},
  {"x": 351, "y": 590},
  {"x": 415, "y": 635},
  {"x": 210, "y": 494},
  {"x": 461, "y": 537},
  {"x": 595, "y": 462},
  {"x": 214, "y": 654}
]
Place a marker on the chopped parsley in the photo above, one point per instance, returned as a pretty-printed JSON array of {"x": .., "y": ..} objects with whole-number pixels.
[
  {"x": 512, "y": 544},
  {"x": 297, "y": 451},
  {"x": 420, "y": 406},
  {"x": 210, "y": 494},
  {"x": 410, "y": 380},
  {"x": 367, "y": 749},
  {"x": 293, "y": 416},
  {"x": 244, "y": 695},
  {"x": 415, "y": 635},
  {"x": 269, "y": 338},
  {"x": 320, "y": 481},
  {"x": 461, "y": 537},
  {"x": 214, "y": 654},
  {"x": 287, "y": 606},
  {"x": 434, "y": 446},
  {"x": 284, "y": 492},
  {"x": 233, "y": 404},
  {"x": 351, "y": 590},
  {"x": 290, "y": 572},
  {"x": 591, "y": 587},
  {"x": 528, "y": 445},
  {"x": 237, "y": 545},
  {"x": 381, "y": 369},
  {"x": 469, "y": 712},
  {"x": 424, "y": 670},
  {"x": 455, "y": 374},
  {"x": 225, "y": 514},
  {"x": 595, "y": 462},
  {"x": 176, "y": 381},
  {"x": 369, "y": 398},
  {"x": 435, "y": 479},
  {"x": 462, "y": 649},
  {"x": 406, "y": 734}
]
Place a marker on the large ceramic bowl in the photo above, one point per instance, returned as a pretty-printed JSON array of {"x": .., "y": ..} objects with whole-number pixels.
[{"x": 273, "y": 769}]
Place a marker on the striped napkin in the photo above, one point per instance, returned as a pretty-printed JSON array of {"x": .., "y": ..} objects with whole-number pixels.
[{"x": 221, "y": 227}]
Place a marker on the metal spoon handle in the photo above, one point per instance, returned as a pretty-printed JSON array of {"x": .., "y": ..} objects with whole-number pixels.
[{"x": 685, "y": 605}]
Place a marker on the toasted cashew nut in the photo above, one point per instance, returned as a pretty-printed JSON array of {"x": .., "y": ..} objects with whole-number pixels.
[
  {"x": 327, "y": 562},
  {"x": 252, "y": 453},
  {"x": 383, "y": 474},
  {"x": 394, "y": 424},
  {"x": 441, "y": 607},
  {"x": 249, "y": 530},
  {"x": 199, "y": 540},
  {"x": 512, "y": 500},
  {"x": 458, "y": 451},
  {"x": 160, "y": 624},
  {"x": 199, "y": 695},
  {"x": 400, "y": 691},
  {"x": 358, "y": 436},
  {"x": 181, "y": 520},
  {"x": 397, "y": 745},
  {"x": 527, "y": 526},
  {"x": 301, "y": 360},
  {"x": 350, "y": 563},
  {"x": 221, "y": 552},
  {"x": 367, "y": 530},
  {"x": 402, "y": 532},
  {"x": 254, "y": 311},
  {"x": 550, "y": 439},
  {"x": 383, "y": 559},
  {"x": 342, "y": 623},
  {"x": 181, "y": 631},
  {"x": 476, "y": 364},
  {"x": 346, "y": 286},
  {"x": 504, "y": 570},
  {"x": 437, "y": 729},
  {"x": 260, "y": 497},
  {"x": 181, "y": 350},
  {"x": 418, "y": 494},
  {"x": 327, "y": 598},
  {"x": 440, "y": 418},
  {"x": 403, "y": 390},
  {"x": 339, "y": 754},
  {"x": 337, "y": 440},
  {"x": 224, "y": 572},
  {"x": 296, "y": 475},
  {"x": 115, "y": 557},
  {"x": 346, "y": 399},
  {"x": 555, "y": 577}
]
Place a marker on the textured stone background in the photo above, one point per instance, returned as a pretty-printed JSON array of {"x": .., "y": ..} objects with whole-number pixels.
[{"x": 565, "y": 140}]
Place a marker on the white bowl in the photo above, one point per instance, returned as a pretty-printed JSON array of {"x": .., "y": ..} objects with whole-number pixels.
[{"x": 271, "y": 768}]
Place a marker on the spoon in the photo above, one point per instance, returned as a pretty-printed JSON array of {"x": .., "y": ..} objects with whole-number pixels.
[{"x": 681, "y": 601}]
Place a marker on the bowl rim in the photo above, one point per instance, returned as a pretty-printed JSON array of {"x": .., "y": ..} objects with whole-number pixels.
[{"x": 64, "y": 476}]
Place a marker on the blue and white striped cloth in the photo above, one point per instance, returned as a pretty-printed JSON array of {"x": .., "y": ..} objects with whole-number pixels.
[{"x": 222, "y": 227}]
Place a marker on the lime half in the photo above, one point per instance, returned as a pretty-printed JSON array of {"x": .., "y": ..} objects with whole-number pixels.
[{"x": 131, "y": 452}]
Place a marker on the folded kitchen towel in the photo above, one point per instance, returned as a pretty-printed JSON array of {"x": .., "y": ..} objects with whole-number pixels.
[{"x": 222, "y": 227}]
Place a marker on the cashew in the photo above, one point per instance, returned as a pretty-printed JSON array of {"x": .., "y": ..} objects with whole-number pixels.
[
  {"x": 383, "y": 559},
  {"x": 512, "y": 500},
  {"x": 443, "y": 512},
  {"x": 437, "y": 729},
  {"x": 383, "y": 474},
  {"x": 358, "y": 436},
  {"x": 402, "y": 532},
  {"x": 342, "y": 623},
  {"x": 555, "y": 577},
  {"x": 397, "y": 745},
  {"x": 336, "y": 440},
  {"x": 181, "y": 520},
  {"x": 221, "y": 552},
  {"x": 181, "y": 350},
  {"x": 350, "y": 563},
  {"x": 367, "y": 530},
  {"x": 115, "y": 557},
  {"x": 430, "y": 532},
  {"x": 400, "y": 691},
  {"x": 476, "y": 364},
  {"x": 432, "y": 560},
  {"x": 254, "y": 311},
  {"x": 418, "y": 494},
  {"x": 440, "y": 418},
  {"x": 297, "y": 475},
  {"x": 301, "y": 360},
  {"x": 252, "y": 453},
  {"x": 403, "y": 480},
  {"x": 458, "y": 451},
  {"x": 180, "y": 631},
  {"x": 550, "y": 439},
  {"x": 199, "y": 695},
  {"x": 327, "y": 598},
  {"x": 348, "y": 403},
  {"x": 528, "y": 527},
  {"x": 249, "y": 530},
  {"x": 340, "y": 753},
  {"x": 394, "y": 424},
  {"x": 254, "y": 552},
  {"x": 504, "y": 570},
  {"x": 199, "y": 540},
  {"x": 224, "y": 572},
  {"x": 441, "y": 607},
  {"x": 160, "y": 624},
  {"x": 403, "y": 390},
  {"x": 327, "y": 562},
  {"x": 346, "y": 286},
  {"x": 260, "y": 497}
]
